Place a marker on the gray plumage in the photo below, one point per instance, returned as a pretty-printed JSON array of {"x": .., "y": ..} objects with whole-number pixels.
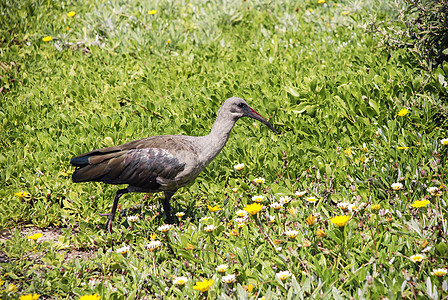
[{"x": 161, "y": 163}]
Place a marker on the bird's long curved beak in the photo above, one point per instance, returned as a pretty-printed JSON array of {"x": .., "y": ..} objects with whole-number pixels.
[{"x": 254, "y": 115}]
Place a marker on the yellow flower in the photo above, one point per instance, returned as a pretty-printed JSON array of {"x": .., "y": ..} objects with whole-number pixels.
[
  {"x": 189, "y": 247},
  {"x": 222, "y": 268},
  {"x": 90, "y": 297},
  {"x": 259, "y": 180},
  {"x": 133, "y": 219},
  {"x": 21, "y": 194},
  {"x": 340, "y": 220},
  {"x": 444, "y": 142},
  {"x": 12, "y": 288},
  {"x": 311, "y": 220},
  {"x": 348, "y": 151},
  {"x": 439, "y": 272},
  {"x": 253, "y": 208},
  {"x": 168, "y": 41},
  {"x": 29, "y": 297},
  {"x": 241, "y": 213},
  {"x": 203, "y": 286},
  {"x": 283, "y": 275},
  {"x": 238, "y": 167},
  {"x": 180, "y": 280},
  {"x": 47, "y": 39},
  {"x": 228, "y": 279},
  {"x": 123, "y": 250},
  {"x": 153, "y": 245},
  {"x": 67, "y": 28},
  {"x": 234, "y": 232},
  {"x": 250, "y": 287},
  {"x": 210, "y": 228},
  {"x": 71, "y": 14},
  {"x": 306, "y": 243},
  {"x": 396, "y": 186},
  {"x": 152, "y": 12},
  {"x": 311, "y": 199},
  {"x": 434, "y": 191},
  {"x": 284, "y": 199},
  {"x": 353, "y": 207},
  {"x": 402, "y": 148},
  {"x": 292, "y": 234},
  {"x": 153, "y": 236},
  {"x": 420, "y": 203},
  {"x": 292, "y": 211},
  {"x": 258, "y": 198},
  {"x": 345, "y": 13},
  {"x": 240, "y": 222},
  {"x": 276, "y": 205},
  {"x": 417, "y": 257},
  {"x": 343, "y": 205},
  {"x": 403, "y": 112},
  {"x": 213, "y": 208},
  {"x": 235, "y": 190},
  {"x": 364, "y": 147},
  {"x": 180, "y": 214},
  {"x": 35, "y": 236},
  {"x": 300, "y": 194},
  {"x": 164, "y": 228},
  {"x": 320, "y": 233},
  {"x": 321, "y": 1},
  {"x": 375, "y": 207}
]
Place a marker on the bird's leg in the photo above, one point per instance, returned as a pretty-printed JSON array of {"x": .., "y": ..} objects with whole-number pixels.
[
  {"x": 111, "y": 215},
  {"x": 167, "y": 207}
]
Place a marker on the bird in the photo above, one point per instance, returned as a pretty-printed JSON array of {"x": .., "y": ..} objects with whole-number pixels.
[{"x": 161, "y": 163}]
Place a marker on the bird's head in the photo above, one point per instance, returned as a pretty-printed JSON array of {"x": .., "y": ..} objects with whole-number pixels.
[{"x": 239, "y": 108}]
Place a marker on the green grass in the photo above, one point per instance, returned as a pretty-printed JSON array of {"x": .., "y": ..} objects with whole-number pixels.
[{"x": 119, "y": 74}]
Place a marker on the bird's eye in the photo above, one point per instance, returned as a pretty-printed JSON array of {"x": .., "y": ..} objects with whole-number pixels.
[{"x": 240, "y": 104}]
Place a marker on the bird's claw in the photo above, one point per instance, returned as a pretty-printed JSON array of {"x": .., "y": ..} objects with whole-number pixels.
[{"x": 169, "y": 219}]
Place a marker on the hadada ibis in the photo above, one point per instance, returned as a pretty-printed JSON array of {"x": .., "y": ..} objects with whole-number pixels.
[{"x": 161, "y": 163}]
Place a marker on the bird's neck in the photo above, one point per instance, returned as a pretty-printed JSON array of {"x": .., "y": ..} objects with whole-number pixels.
[{"x": 217, "y": 139}]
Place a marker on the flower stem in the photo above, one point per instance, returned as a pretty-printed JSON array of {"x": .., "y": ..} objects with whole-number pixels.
[
  {"x": 373, "y": 237},
  {"x": 257, "y": 222}
]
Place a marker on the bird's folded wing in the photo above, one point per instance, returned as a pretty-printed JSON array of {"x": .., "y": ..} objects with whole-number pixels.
[{"x": 136, "y": 167}]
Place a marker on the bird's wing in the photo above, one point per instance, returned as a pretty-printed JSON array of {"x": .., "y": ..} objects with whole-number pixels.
[{"x": 144, "y": 168}]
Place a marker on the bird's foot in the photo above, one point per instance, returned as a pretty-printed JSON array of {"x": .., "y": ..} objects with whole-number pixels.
[
  {"x": 110, "y": 218},
  {"x": 169, "y": 219}
]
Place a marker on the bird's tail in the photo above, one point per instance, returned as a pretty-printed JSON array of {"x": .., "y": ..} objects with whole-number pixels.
[{"x": 92, "y": 166}]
